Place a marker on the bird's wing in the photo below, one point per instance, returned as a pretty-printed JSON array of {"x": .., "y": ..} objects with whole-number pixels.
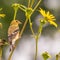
[{"x": 12, "y": 32}]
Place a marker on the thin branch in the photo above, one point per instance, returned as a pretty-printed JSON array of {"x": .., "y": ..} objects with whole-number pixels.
[
  {"x": 37, "y": 37},
  {"x": 15, "y": 14},
  {"x": 32, "y": 3},
  {"x": 36, "y": 6},
  {"x": 23, "y": 27},
  {"x": 31, "y": 27},
  {"x": 28, "y": 3}
]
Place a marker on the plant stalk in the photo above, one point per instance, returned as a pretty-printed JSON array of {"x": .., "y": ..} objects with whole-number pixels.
[
  {"x": 57, "y": 57},
  {"x": 36, "y": 6},
  {"x": 36, "y": 50},
  {"x": 37, "y": 38},
  {"x": 15, "y": 14},
  {"x": 28, "y": 3},
  {"x": 0, "y": 53}
]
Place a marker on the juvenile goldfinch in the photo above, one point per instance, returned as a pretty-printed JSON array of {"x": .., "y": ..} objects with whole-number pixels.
[{"x": 13, "y": 33}]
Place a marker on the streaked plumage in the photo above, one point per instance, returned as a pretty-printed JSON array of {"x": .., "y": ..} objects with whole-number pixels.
[{"x": 13, "y": 32}]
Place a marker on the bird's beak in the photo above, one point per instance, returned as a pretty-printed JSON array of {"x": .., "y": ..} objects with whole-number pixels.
[{"x": 20, "y": 22}]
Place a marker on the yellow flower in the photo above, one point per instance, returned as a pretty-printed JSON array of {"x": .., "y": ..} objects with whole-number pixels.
[
  {"x": 15, "y": 5},
  {"x": 2, "y": 15},
  {"x": 48, "y": 17}
]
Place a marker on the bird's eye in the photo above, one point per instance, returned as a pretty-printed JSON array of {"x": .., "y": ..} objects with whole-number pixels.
[{"x": 16, "y": 21}]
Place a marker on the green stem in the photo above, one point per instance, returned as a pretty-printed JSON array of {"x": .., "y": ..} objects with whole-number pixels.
[
  {"x": 36, "y": 49},
  {"x": 28, "y": 3},
  {"x": 36, "y": 6},
  {"x": 0, "y": 53},
  {"x": 15, "y": 14},
  {"x": 56, "y": 57},
  {"x": 39, "y": 31},
  {"x": 32, "y": 3},
  {"x": 23, "y": 27},
  {"x": 23, "y": 8},
  {"x": 45, "y": 59},
  {"x": 9, "y": 58},
  {"x": 31, "y": 27},
  {"x": 37, "y": 37}
]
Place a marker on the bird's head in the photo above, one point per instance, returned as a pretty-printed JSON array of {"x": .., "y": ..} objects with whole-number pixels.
[{"x": 15, "y": 22}]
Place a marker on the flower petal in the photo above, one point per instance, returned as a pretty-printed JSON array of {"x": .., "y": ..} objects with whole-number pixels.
[
  {"x": 42, "y": 12},
  {"x": 47, "y": 13},
  {"x": 2, "y": 15},
  {"x": 53, "y": 23}
]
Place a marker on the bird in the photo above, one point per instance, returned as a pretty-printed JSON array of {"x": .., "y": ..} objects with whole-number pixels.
[{"x": 13, "y": 33}]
